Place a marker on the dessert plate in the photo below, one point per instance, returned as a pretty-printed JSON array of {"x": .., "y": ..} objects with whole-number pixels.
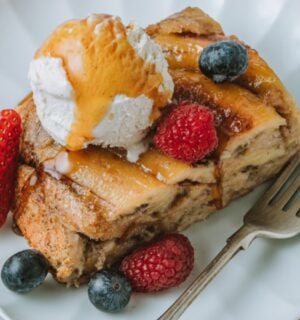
[{"x": 264, "y": 284}]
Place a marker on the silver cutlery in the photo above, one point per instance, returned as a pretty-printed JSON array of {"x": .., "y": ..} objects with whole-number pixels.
[{"x": 276, "y": 215}]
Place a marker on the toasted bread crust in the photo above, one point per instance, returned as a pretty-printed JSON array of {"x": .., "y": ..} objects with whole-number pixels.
[
  {"x": 190, "y": 20},
  {"x": 84, "y": 220}
]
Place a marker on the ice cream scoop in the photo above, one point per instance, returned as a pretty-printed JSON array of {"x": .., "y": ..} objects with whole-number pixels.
[{"x": 95, "y": 81}]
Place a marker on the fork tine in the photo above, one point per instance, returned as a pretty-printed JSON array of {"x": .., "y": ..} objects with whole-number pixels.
[
  {"x": 295, "y": 208},
  {"x": 286, "y": 173},
  {"x": 288, "y": 194}
]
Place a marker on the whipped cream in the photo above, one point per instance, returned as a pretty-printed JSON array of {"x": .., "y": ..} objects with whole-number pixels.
[
  {"x": 58, "y": 166},
  {"x": 54, "y": 97},
  {"x": 124, "y": 124},
  {"x": 126, "y": 120},
  {"x": 150, "y": 52}
]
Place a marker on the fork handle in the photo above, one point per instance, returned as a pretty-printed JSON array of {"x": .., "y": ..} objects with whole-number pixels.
[{"x": 239, "y": 240}]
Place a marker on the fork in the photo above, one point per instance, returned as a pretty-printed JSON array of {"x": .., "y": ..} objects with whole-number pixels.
[{"x": 275, "y": 215}]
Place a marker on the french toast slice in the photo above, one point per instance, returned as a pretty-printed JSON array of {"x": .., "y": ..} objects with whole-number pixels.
[
  {"x": 108, "y": 180},
  {"x": 44, "y": 215},
  {"x": 47, "y": 198},
  {"x": 84, "y": 210},
  {"x": 73, "y": 257}
]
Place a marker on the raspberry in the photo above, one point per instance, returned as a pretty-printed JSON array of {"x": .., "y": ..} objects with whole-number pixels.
[
  {"x": 160, "y": 265},
  {"x": 10, "y": 131},
  {"x": 187, "y": 133}
]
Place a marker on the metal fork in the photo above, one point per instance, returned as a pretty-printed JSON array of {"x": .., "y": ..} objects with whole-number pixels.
[{"x": 275, "y": 215}]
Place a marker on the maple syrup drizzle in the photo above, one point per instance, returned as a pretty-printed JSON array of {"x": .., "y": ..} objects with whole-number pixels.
[
  {"x": 100, "y": 63},
  {"x": 217, "y": 191}
]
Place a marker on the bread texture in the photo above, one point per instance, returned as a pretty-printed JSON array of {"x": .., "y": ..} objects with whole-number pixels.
[{"x": 87, "y": 217}]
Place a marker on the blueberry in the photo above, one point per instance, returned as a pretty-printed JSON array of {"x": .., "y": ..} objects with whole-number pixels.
[
  {"x": 24, "y": 271},
  {"x": 109, "y": 291},
  {"x": 224, "y": 61}
]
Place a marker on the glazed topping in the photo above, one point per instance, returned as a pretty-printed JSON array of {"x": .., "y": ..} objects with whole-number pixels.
[
  {"x": 229, "y": 122},
  {"x": 182, "y": 51},
  {"x": 234, "y": 107},
  {"x": 106, "y": 65},
  {"x": 224, "y": 61}
]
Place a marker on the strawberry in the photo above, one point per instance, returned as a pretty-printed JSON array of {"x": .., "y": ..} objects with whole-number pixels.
[
  {"x": 160, "y": 265},
  {"x": 187, "y": 133},
  {"x": 10, "y": 131}
]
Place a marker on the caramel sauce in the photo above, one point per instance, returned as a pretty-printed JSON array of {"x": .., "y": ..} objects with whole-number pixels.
[
  {"x": 227, "y": 121},
  {"x": 236, "y": 109},
  {"x": 217, "y": 193},
  {"x": 100, "y": 63},
  {"x": 160, "y": 165},
  {"x": 230, "y": 122},
  {"x": 110, "y": 177},
  {"x": 183, "y": 51},
  {"x": 261, "y": 79}
]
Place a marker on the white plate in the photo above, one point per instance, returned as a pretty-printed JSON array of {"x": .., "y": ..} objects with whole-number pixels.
[{"x": 260, "y": 284}]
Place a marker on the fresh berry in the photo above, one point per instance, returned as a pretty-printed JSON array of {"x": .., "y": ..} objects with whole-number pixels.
[
  {"x": 224, "y": 60},
  {"x": 160, "y": 265},
  {"x": 109, "y": 291},
  {"x": 24, "y": 271},
  {"x": 187, "y": 133},
  {"x": 10, "y": 131}
]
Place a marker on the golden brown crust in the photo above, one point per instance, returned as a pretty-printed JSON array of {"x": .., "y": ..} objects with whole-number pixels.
[
  {"x": 182, "y": 51},
  {"x": 56, "y": 219},
  {"x": 182, "y": 36},
  {"x": 192, "y": 20},
  {"x": 73, "y": 257},
  {"x": 56, "y": 216}
]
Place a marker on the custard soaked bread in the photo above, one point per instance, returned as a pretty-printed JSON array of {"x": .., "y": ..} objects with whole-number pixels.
[
  {"x": 120, "y": 191},
  {"x": 261, "y": 123},
  {"x": 85, "y": 209}
]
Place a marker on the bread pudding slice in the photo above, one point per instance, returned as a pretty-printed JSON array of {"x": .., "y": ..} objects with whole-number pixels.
[
  {"x": 73, "y": 204},
  {"x": 85, "y": 210},
  {"x": 41, "y": 208},
  {"x": 260, "y": 127},
  {"x": 117, "y": 190}
]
